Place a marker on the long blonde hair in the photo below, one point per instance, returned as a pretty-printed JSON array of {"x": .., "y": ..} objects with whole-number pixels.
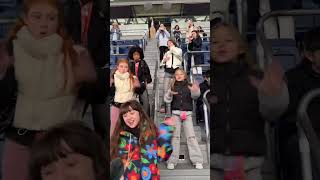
[
  {"x": 70, "y": 55},
  {"x": 243, "y": 45},
  {"x": 174, "y": 79}
]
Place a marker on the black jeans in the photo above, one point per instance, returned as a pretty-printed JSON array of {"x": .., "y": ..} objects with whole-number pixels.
[
  {"x": 162, "y": 50},
  {"x": 198, "y": 59},
  {"x": 100, "y": 116}
]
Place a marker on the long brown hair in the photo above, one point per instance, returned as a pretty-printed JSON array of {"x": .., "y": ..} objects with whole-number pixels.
[
  {"x": 243, "y": 45},
  {"x": 145, "y": 125},
  {"x": 79, "y": 139},
  {"x": 70, "y": 55}
]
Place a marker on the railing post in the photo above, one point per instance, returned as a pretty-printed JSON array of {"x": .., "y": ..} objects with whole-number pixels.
[
  {"x": 206, "y": 110},
  {"x": 308, "y": 139}
]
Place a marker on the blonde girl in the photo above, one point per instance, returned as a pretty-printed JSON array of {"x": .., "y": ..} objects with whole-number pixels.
[{"x": 181, "y": 95}]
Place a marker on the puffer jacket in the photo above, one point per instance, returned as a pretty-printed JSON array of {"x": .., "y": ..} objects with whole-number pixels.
[
  {"x": 143, "y": 161},
  {"x": 240, "y": 111}
]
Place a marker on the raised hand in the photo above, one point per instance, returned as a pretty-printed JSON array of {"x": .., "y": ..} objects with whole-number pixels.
[
  {"x": 272, "y": 81},
  {"x": 170, "y": 121},
  {"x": 166, "y": 59},
  {"x": 136, "y": 83},
  {"x": 194, "y": 87},
  {"x": 111, "y": 81}
]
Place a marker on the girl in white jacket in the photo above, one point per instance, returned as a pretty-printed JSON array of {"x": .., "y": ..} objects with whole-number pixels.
[
  {"x": 123, "y": 82},
  {"x": 171, "y": 61}
]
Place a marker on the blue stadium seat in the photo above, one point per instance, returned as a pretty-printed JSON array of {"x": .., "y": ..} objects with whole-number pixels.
[
  {"x": 123, "y": 50},
  {"x": 113, "y": 60},
  {"x": 8, "y": 3},
  {"x": 206, "y": 58},
  {"x": 205, "y": 46},
  {"x": 286, "y": 52},
  {"x": 5, "y": 27}
]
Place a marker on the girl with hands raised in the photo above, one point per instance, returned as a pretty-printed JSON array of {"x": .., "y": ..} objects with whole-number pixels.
[
  {"x": 244, "y": 98},
  {"x": 181, "y": 94},
  {"x": 123, "y": 85}
]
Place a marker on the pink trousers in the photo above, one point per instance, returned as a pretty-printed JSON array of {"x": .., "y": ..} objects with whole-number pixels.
[
  {"x": 114, "y": 118},
  {"x": 15, "y": 162}
]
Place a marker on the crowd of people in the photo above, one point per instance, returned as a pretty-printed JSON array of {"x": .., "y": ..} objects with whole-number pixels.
[{"x": 136, "y": 142}]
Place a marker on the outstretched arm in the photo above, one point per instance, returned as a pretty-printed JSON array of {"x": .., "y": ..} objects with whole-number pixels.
[{"x": 166, "y": 129}]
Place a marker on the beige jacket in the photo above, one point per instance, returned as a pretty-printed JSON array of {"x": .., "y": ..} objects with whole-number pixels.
[
  {"x": 124, "y": 87},
  {"x": 177, "y": 58}
]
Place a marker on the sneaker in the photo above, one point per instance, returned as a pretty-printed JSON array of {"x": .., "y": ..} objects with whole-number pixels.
[
  {"x": 170, "y": 166},
  {"x": 199, "y": 166}
]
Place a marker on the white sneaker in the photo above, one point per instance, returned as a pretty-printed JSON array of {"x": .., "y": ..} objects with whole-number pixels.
[
  {"x": 170, "y": 166},
  {"x": 199, "y": 166}
]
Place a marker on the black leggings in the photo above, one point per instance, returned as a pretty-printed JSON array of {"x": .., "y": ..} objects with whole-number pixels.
[
  {"x": 100, "y": 116},
  {"x": 162, "y": 50}
]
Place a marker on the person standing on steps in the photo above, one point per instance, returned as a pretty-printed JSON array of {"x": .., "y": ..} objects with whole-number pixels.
[
  {"x": 180, "y": 94},
  {"x": 171, "y": 61},
  {"x": 162, "y": 36},
  {"x": 140, "y": 68}
]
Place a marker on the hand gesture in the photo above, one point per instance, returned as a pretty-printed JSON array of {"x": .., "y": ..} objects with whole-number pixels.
[
  {"x": 272, "y": 81},
  {"x": 194, "y": 87},
  {"x": 166, "y": 59},
  {"x": 170, "y": 121},
  {"x": 136, "y": 83},
  {"x": 173, "y": 92},
  {"x": 111, "y": 81}
]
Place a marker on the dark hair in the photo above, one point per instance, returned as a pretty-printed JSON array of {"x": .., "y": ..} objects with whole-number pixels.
[
  {"x": 134, "y": 49},
  {"x": 311, "y": 41},
  {"x": 145, "y": 122},
  {"x": 173, "y": 41},
  {"x": 80, "y": 138},
  {"x": 176, "y": 26},
  {"x": 196, "y": 31}
]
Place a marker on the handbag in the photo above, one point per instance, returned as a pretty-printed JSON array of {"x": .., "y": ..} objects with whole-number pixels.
[{"x": 171, "y": 70}]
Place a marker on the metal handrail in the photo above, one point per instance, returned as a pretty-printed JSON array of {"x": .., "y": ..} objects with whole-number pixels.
[
  {"x": 190, "y": 52},
  {"x": 243, "y": 7},
  {"x": 198, "y": 65},
  {"x": 156, "y": 92},
  {"x": 206, "y": 110},
  {"x": 261, "y": 37},
  {"x": 7, "y": 20},
  {"x": 308, "y": 139}
]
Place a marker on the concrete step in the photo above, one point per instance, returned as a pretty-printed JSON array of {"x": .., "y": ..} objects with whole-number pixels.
[
  {"x": 184, "y": 172},
  {"x": 184, "y": 153}
]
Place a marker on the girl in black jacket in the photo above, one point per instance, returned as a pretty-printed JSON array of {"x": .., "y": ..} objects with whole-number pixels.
[
  {"x": 180, "y": 95},
  {"x": 195, "y": 44},
  {"x": 140, "y": 68},
  {"x": 244, "y": 98}
]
